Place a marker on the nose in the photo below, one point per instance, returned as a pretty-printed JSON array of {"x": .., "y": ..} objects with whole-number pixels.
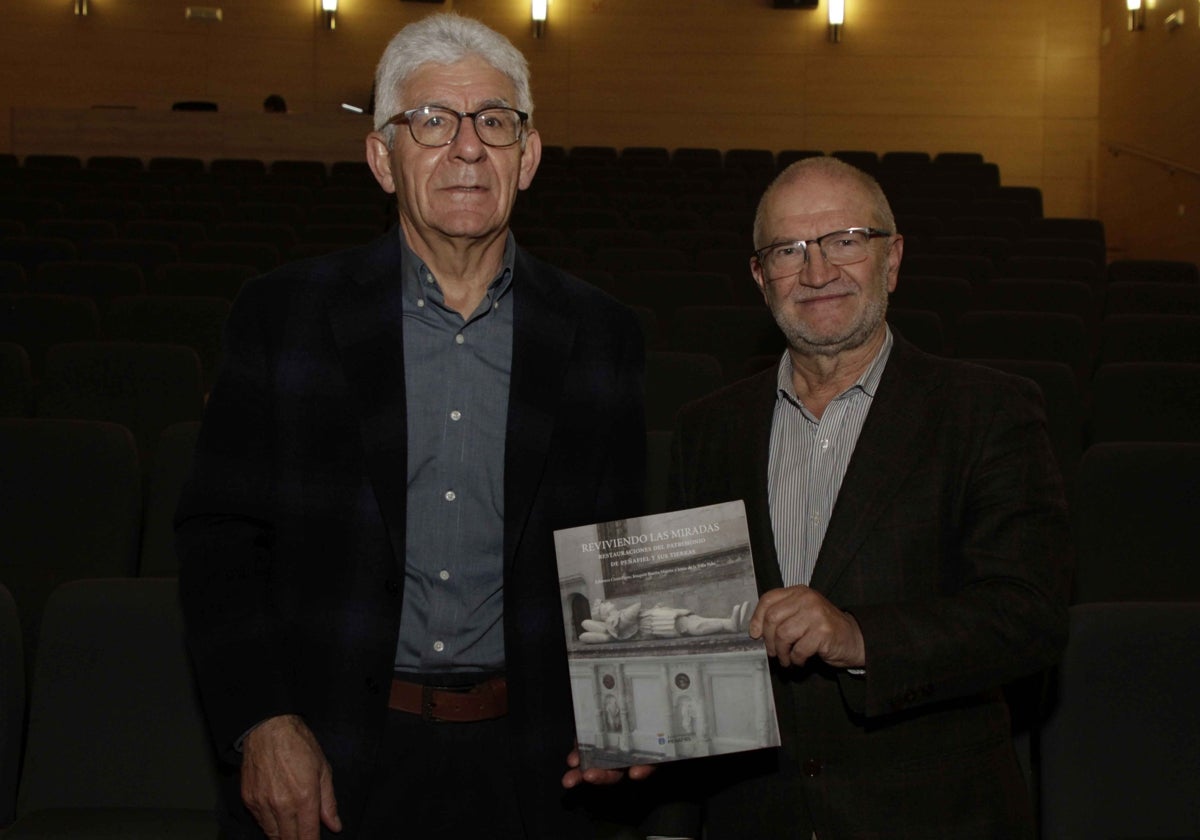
[
  {"x": 467, "y": 144},
  {"x": 819, "y": 272}
]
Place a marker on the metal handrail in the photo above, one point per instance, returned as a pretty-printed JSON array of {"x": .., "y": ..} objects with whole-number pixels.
[{"x": 1166, "y": 163}]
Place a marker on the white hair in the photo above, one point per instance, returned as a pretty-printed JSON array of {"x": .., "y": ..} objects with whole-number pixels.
[{"x": 443, "y": 38}]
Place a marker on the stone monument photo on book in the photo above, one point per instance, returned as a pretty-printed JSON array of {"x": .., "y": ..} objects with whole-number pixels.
[{"x": 655, "y": 612}]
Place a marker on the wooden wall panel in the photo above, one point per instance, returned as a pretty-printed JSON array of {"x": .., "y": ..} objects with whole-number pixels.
[
  {"x": 1017, "y": 80},
  {"x": 1149, "y": 195}
]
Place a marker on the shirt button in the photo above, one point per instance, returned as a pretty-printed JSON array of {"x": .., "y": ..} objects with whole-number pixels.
[
  {"x": 825, "y": 443},
  {"x": 439, "y": 646},
  {"x": 458, "y": 339},
  {"x": 456, "y": 415},
  {"x": 444, "y": 575},
  {"x": 451, "y": 495}
]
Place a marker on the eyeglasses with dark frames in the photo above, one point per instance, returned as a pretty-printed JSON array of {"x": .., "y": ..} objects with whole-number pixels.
[
  {"x": 433, "y": 126},
  {"x": 841, "y": 247}
]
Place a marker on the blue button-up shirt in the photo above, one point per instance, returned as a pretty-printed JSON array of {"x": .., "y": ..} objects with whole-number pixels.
[{"x": 457, "y": 379}]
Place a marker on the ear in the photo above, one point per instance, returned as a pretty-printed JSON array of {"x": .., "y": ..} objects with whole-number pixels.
[
  {"x": 757, "y": 273},
  {"x": 379, "y": 158},
  {"x": 531, "y": 156},
  {"x": 895, "y": 253}
]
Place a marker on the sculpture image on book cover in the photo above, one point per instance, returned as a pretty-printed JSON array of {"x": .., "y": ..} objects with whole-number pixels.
[{"x": 655, "y": 611}]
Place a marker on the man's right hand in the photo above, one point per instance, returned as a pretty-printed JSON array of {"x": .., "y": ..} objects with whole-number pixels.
[{"x": 286, "y": 782}]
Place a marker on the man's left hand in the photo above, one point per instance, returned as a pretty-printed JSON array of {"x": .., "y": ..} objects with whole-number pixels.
[
  {"x": 599, "y": 776},
  {"x": 798, "y": 622}
]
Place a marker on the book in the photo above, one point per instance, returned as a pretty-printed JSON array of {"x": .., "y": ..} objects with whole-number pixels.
[{"x": 656, "y": 612}]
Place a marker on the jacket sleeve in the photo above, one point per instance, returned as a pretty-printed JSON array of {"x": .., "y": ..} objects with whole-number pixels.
[{"x": 224, "y": 536}]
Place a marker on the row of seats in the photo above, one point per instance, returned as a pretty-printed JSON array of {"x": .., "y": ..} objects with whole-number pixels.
[
  {"x": 1118, "y": 740},
  {"x": 139, "y": 744}
]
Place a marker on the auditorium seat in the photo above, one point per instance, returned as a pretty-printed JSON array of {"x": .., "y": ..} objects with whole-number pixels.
[
  {"x": 125, "y": 164},
  {"x": 179, "y": 232},
  {"x": 1072, "y": 297},
  {"x": 949, "y": 297},
  {"x": 12, "y": 278},
  {"x": 1150, "y": 338},
  {"x": 921, "y": 327},
  {"x": 263, "y": 211},
  {"x": 117, "y": 743},
  {"x": 37, "y": 321},
  {"x": 28, "y": 211},
  {"x": 12, "y": 704},
  {"x": 1145, "y": 401},
  {"x": 144, "y": 387},
  {"x": 1135, "y": 522},
  {"x": 1120, "y": 751},
  {"x": 1033, "y": 267},
  {"x": 344, "y": 235},
  {"x": 1156, "y": 271},
  {"x": 240, "y": 171},
  {"x": 1045, "y": 336},
  {"x": 665, "y": 290},
  {"x": 262, "y": 255},
  {"x": 590, "y": 239},
  {"x": 306, "y": 173},
  {"x": 100, "y": 281},
  {"x": 617, "y": 259},
  {"x": 31, "y": 251},
  {"x": 973, "y": 268},
  {"x": 117, "y": 211},
  {"x": 750, "y": 162},
  {"x": 693, "y": 158},
  {"x": 731, "y": 333},
  {"x": 674, "y": 379},
  {"x": 75, "y": 230},
  {"x": 195, "y": 322},
  {"x": 146, "y": 254},
  {"x": 277, "y": 234},
  {"x": 176, "y": 166},
  {"x": 199, "y": 279},
  {"x": 1149, "y": 297},
  {"x": 957, "y": 158},
  {"x": 16, "y": 381},
  {"x": 72, "y": 507},
  {"x": 53, "y": 162}
]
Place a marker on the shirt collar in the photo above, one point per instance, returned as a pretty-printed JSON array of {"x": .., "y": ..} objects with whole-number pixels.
[
  {"x": 868, "y": 382},
  {"x": 415, "y": 275}
]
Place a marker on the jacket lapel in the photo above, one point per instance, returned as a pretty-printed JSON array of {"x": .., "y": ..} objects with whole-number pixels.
[
  {"x": 543, "y": 332},
  {"x": 885, "y": 454},
  {"x": 750, "y": 443},
  {"x": 366, "y": 325}
]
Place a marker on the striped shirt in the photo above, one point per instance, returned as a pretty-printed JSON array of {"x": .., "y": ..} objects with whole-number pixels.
[{"x": 808, "y": 460}]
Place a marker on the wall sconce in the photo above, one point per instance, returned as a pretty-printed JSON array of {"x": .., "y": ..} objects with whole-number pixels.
[
  {"x": 1137, "y": 15},
  {"x": 81, "y": 8},
  {"x": 537, "y": 13},
  {"x": 329, "y": 7},
  {"x": 837, "y": 16},
  {"x": 1174, "y": 20}
]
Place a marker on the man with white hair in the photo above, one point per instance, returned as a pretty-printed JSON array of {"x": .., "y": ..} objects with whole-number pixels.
[{"x": 366, "y": 541}]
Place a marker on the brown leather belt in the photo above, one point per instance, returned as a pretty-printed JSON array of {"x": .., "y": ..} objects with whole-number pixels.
[{"x": 482, "y": 701}]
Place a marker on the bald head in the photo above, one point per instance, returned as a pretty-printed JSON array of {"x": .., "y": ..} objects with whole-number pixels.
[{"x": 825, "y": 173}]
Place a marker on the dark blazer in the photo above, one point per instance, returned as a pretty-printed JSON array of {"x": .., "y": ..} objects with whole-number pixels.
[
  {"x": 949, "y": 543},
  {"x": 291, "y": 531}
]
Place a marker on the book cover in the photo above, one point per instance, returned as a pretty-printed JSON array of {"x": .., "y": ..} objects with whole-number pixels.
[{"x": 655, "y": 611}]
